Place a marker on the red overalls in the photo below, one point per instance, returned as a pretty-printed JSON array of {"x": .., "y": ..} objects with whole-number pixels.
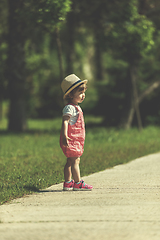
[{"x": 77, "y": 133}]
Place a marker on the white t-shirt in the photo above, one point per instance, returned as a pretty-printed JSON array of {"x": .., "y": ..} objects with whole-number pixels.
[{"x": 70, "y": 110}]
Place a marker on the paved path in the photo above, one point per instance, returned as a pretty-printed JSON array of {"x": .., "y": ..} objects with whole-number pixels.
[{"x": 125, "y": 204}]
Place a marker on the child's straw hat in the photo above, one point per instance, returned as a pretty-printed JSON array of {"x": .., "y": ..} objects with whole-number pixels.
[{"x": 71, "y": 82}]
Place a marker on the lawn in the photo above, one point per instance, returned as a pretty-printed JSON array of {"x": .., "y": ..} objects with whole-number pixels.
[{"x": 33, "y": 160}]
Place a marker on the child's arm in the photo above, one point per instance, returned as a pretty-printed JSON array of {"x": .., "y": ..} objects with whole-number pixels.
[{"x": 65, "y": 137}]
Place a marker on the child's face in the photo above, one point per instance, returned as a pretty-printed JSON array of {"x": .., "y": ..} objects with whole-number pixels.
[{"x": 79, "y": 94}]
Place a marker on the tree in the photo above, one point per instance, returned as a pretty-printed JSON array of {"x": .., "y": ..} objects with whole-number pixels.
[
  {"x": 3, "y": 47},
  {"x": 130, "y": 36},
  {"x": 125, "y": 31},
  {"x": 24, "y": 17}
]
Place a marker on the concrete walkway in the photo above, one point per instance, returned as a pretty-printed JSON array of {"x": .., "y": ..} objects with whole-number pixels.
[{"x": 124, "y": 204}]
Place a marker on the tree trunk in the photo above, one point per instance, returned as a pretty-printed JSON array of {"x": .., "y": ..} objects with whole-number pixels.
[
  {"x": 149, "y": 90},
  {"x": 128, "y": 112},
  {"x": 16, "y": 69},
  {"x": 127, "y": 117},
  {"x": 1, "y": 110},
  {"x": 131, "y": 102},
  {"x": 1, "y": 98},
  {"x": 98, "y": 53},
  {"x": 135, "y": 97},
  {"x": 61, "y": 70},
  {"x": 70, "y": 39}
]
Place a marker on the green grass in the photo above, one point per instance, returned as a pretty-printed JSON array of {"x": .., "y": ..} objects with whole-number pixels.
[{"x": 33, "y": 160}]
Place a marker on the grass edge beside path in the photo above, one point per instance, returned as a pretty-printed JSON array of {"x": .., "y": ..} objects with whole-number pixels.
[{"x": 32, "y": 161}]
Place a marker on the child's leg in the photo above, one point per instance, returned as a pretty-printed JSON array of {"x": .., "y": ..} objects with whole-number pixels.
[
  {"x": 75, "y": 168},
  {"x": 72, "y": 169},
  {"x": 67, "y": 170}
]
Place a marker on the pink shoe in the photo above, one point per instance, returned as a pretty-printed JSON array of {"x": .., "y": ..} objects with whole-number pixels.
[
  {"x": 67, "y": 186},
  {"x": 82, "y": 186}
]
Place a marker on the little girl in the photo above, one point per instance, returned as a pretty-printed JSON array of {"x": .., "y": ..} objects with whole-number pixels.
[{"x": 73, "y": 132}]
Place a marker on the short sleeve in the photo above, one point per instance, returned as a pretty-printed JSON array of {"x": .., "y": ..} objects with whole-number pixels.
[{"x": 68, "y": 110}]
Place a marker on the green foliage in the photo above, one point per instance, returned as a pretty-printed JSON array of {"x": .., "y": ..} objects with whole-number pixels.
[
  {"x": 34, "y": 160},
  {"x": 49, "y": 13},
  {"x": 132, "y": 37},
  {"x": 3, "y": 47},
  {"x": 128, "y": 39},
  {"x": 126, "y": 35},
  {"x": 42, "y": 14},
  {"x": 43, "y": 79}
]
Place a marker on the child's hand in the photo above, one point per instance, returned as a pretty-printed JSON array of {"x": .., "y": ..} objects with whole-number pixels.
[{"x": 65, "y": 141}]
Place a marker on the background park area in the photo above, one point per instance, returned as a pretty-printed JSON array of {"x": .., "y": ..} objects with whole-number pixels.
[{"x": 113, "y": 44}]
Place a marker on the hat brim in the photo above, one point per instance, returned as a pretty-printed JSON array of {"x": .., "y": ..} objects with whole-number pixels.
[{"x": 75, "y": 85}]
